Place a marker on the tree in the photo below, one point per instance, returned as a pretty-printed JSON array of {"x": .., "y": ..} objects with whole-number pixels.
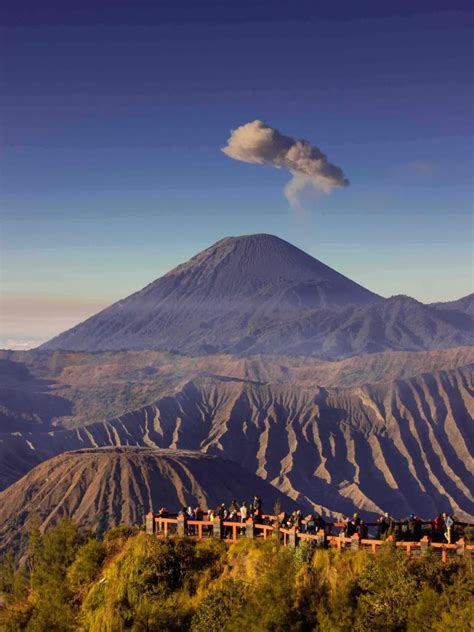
[{"x": 388, "y": 590}]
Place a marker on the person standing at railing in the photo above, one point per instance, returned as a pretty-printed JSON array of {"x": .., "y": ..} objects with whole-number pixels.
[
  {"x": 257, "y": 516},
  {"x": 410, "y": 527},
  {"x": 190, "y": 516},
  {"x": 448, "y": 523},
  {"x": 257, "y": 504},
  {"x": 244, "y": 514},
  {"x": 211, "y": 514},
  {"x": 310, "y": 525},
  {"x": 320, "y": 522},
  {"x": 352, "y": 525},
  {"x": 297, "y": 519},
  {"x": 417, "y": 528},
  {"x": 362, "y": 530},
  {"x": 439, "y": 527},
  {"x": 231, "y": 517},
  {"x": 382, "y": 524}
]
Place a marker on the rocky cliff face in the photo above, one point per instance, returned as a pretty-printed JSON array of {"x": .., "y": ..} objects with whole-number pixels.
[
  {"x": 259, "y": 294},
  {"x": 396, "y": 445},
  {"x": 105, "y": 487}
]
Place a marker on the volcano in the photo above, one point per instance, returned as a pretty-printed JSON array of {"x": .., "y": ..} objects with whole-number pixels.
[
  {"x": 260, "y": 294},
  {"x": 101, "y": 488}
]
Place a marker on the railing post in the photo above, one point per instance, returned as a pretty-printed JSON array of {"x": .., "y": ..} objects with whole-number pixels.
[
  {"x": 321, "y": 539},
  {"x": 181, "y": 525},
  {"x": 217, "y": 528},
  {"x": 355, "y": 542},
  {"x": 461, "y": 544},
  {"x": 250, "y": 528},
  {"x": 292, "y": 539},
  {"x": 150, "y": 523},
  {"x": 424, "y": 545}
]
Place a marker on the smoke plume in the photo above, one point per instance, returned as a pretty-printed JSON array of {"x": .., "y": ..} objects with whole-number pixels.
[{"x": 258, "y": 143}]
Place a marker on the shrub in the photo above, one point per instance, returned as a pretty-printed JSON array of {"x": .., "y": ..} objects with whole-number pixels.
[
  {"x": 305, "y": 550},
  {"x": 388, "y": 590},
  {"x": 219, "y": 606},
  {"x": 122, "y": 532}
]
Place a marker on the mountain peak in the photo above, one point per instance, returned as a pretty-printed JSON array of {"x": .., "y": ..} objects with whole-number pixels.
[
  {"x": 249, "y": 263},
  {"x": 222, "y": 299}
]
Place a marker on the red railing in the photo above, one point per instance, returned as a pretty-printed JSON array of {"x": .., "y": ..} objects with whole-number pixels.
[{"x": 231, "y": 531}]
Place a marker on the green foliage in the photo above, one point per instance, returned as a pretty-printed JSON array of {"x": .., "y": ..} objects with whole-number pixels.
[
  {"x": 388, "y": 591},
  {"x": 270, "y": 570},
  {"x": 86, "y": 565},
  {"x": 141, "y": 585},
  {"x": 122, "y": 532},
  {"x": 54, "y": 553},
  {"x": 129, "y": 581},
  {"x": 305, "y": 551},
  {"x": 48, "y": 604},
  {"x": 219, "y": 607},
  {"x": 7, "y": 574}
]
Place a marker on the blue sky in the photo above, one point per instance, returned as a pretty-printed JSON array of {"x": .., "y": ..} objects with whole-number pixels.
[{"x": 115, "y": 113}]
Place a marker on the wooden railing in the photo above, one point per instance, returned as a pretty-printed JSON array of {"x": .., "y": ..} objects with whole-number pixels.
[{"x": 231, "y": 531}]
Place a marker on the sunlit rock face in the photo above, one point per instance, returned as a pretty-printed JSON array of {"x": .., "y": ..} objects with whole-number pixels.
[{"x": 384, "y": 432}]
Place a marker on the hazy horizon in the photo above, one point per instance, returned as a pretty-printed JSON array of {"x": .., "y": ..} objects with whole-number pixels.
[{"x": 45, "y": 315}]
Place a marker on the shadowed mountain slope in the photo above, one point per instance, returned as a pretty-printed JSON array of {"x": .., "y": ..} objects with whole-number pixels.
[
  {"x": 463, "y": 305},
  {"x": 397, "y": 446},
  {"x": 105, "y": 487},
  {"x": 43, "y": 389},
  {"x": 259, "y": 294}
]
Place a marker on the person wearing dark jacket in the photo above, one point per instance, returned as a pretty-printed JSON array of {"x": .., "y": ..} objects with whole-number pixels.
[
  {"x": 382, "y": 524},
  {"x": 320, "y": 522},
  {"x": 363, "y": 530},
  {"x": 438, "y": 524},
  {"x": 417, "y": 529},
  {"x": 351, "y": 528}
]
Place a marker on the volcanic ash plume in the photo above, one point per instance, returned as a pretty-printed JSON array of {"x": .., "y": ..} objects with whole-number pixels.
[{"x": 258, "y": 143}]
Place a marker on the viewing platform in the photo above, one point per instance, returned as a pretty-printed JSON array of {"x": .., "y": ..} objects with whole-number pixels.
[{"x": 231, "y": 532}]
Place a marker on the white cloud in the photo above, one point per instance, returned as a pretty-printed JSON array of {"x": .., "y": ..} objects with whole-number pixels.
[{"x": 259, "y": 143}]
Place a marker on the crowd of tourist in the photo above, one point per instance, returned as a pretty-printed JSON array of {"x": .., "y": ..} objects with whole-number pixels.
[{"x": 412, "y": 528}]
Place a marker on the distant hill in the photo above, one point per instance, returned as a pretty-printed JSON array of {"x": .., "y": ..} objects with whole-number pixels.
[
  {"x": 389, "y": 431},
  {"x": 463, "y": 305},
  {"x": 104, "y": 487},
  {"x": 44, "y": 390},
  {"x": 259, "y": 294}
]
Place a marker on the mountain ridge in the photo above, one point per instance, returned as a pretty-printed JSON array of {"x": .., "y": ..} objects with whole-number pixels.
[
  {"x": 260, "y": 294},
  {"x": 385, "y": 446},
  {"x": 101, "y": 488}
]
